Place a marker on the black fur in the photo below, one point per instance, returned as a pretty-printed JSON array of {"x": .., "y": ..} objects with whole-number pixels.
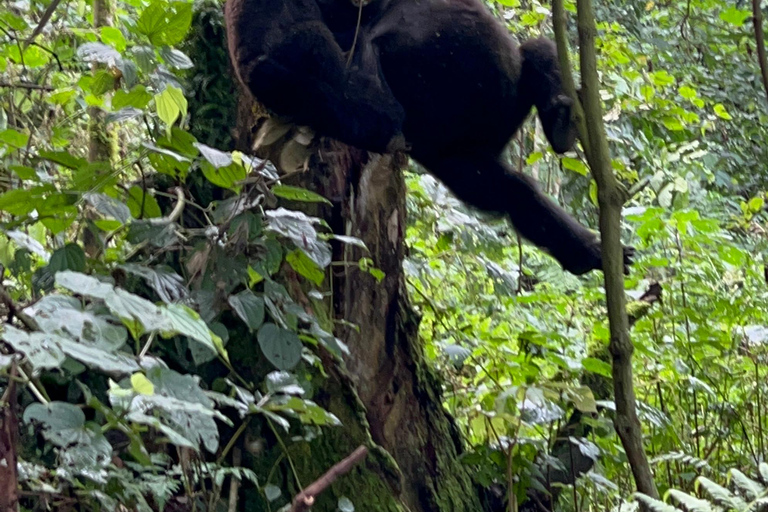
[{"x": 442, "y": 75}]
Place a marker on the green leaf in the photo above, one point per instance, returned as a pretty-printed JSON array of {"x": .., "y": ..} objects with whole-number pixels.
[
  {"x": 575, "y": 165},
  {"x": 225, "y": 177},
  {"x": 42, "y": 350},
  {"x": 142, "y": 385},
  {"x": 63, "y": 158},
  {"x": 687, "y": 92},
  {"x": 583, "y": 399},
  {"x": 13, "y": 138},
  {"x": 113, "y": 37},
  {"x": 170, "y": 104},
  {"x": 65, "y": 314},
  {"x": 216, "y": 158},
  {"x": 734, "y": 16},
  {"x": 17, "y": 202},
  {"x": 281, "y": 347},
  {"x": 176, "y": 58},
  {"x": 142, "y": 205},
  {"x": 249, "y": 307},
  {"x": 721, "y": 112},
  {"x": 98, "y": 52},
  {"x": 59, "y": 420},
  {"x": 304, "y": 265},
  {"x": 137, "y": 97},
  {"x": 298, "y": 194},
  {"x": 69, "y": 257},
  {"x": 597, "y": 366},
  {"x": 186, "y": 321},
  {"x": 25, "y": 172},
  {"x": 165, "y": 23}
]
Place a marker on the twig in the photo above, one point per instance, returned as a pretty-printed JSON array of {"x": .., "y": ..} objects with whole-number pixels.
[
  {"x": 7, "y": 300},
  {"x": 306, "y": 498},
  {"x": 43, "y": 22},
  {"x": 234, "y": 482},
  {"x": 26, "y": 85}
]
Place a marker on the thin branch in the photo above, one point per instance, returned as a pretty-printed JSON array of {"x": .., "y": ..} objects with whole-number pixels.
[
  {"x": 26, "y": 85},
  {"x": 43, "y": 22},
  {"x": 757, "y": 22},
  {"x": 611, "y": 199},
  {"x": 306, "y": 498},
  {"x": 560, "y": 25}
]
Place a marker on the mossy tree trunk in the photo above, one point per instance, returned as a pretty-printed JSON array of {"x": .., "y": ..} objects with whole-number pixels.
[{"x": 384, "y": 392}]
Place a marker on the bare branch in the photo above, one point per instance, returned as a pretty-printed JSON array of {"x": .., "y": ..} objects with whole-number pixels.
[{"x": 306, "y": 498}]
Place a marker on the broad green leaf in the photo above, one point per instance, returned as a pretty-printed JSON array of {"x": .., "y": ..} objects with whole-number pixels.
[
  {"x": 165, "y": 23},
  {"x": 721, "y": 112},
  {"x": 225, "y": 177},
  {"x": 17, "y": 201},
  {"x": 137, "y": 97},
  {"x": 69, "y": 257},
  {"x": 142, "y": 385},
  {"x": 114, "y": 37},
  {"x": 298, "y": 194},
  {"x": 13, "y": 138},
  {"x": 142, "y": 205},
  {"x": 43, "y": 350},
  {"x": 735, "y": 16},
  {"x": 183, "y": 320},
  {"x": 64, "y": 158},
  {"x": 65, "y": 314},
  {"x": 249, "y": 307},
  {"x": 281, "y": 347},
  {"x": 98, "y": 52},
  {"x": 575, "y": 165},
  {"x": 583, "y": 399},
  {"x": 59, "y": 419},
  {"x": 597, "y": 366},
  {"x": 216, "y": 158},
  {"x": 304, "y": 265},
  {"x": 176, "y": 58},
  {"x": 168, "y": 106}
]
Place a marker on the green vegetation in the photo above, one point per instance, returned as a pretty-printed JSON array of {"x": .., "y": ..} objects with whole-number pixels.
[{"x": 183, "y": 328}]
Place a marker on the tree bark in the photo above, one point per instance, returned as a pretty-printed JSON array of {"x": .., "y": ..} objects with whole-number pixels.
[
  {"x": 9, "y": 441},
  {"x": 102, "y": 139},
  {"x": 385, "y": 376}
]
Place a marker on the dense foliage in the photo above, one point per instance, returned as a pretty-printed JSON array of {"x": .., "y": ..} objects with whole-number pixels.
[
  {"x": 141, "y": 255},
  {"x": 522, "y": 343}
]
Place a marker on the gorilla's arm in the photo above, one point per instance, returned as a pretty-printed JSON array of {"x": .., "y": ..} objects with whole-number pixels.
[{"x": 489, "y": 185}]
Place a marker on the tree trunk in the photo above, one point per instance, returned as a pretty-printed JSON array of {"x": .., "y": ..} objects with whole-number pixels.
[
  {"x": 102, "y": 139},
  {"x": 385, "y": 392}
]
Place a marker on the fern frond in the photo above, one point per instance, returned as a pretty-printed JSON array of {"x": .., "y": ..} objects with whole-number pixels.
[
  {"x": 684, "y": 458},
  {"x": 747, "y": 487},
  {"x": 690, "y": 503},
  {"x": 655, "y": 505},
  {"x": 760, "y": 505},
  {"x": 720, "y": 495},
  {"x": 763, "y": 469}
]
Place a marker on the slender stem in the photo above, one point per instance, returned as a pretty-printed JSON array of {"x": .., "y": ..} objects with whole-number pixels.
[{"x": 757, "y": 22}]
